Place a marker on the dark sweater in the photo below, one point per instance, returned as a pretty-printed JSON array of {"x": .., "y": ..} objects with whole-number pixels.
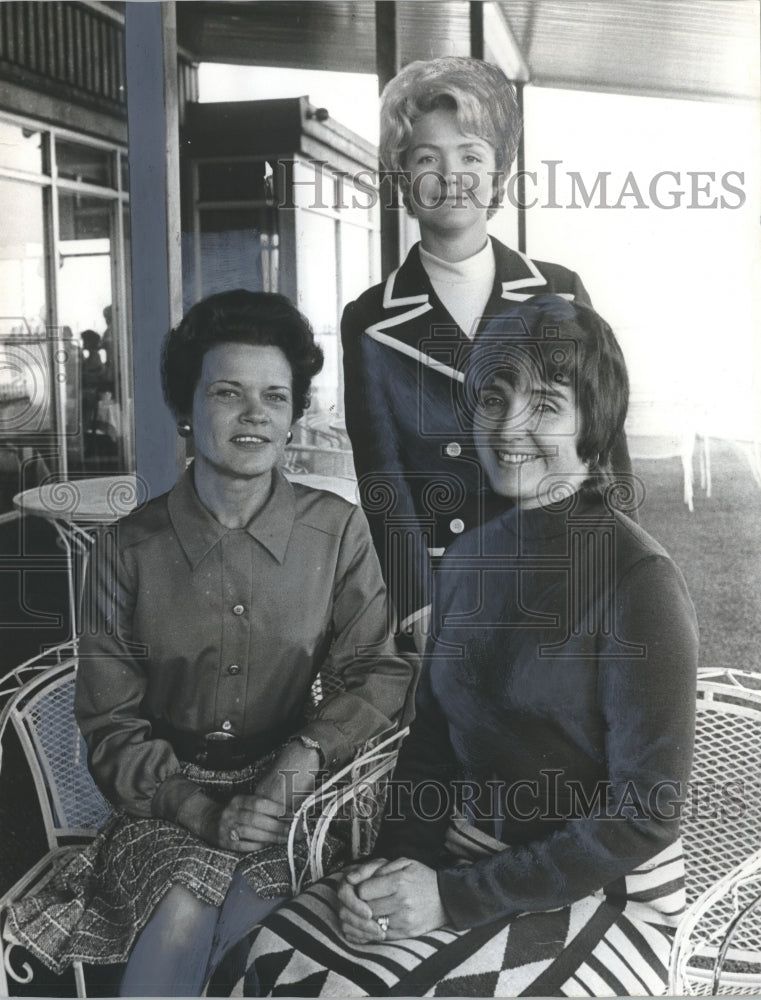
[{"x": 558, "y": 690}]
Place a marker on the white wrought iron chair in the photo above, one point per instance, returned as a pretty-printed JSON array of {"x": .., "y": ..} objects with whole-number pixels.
[
  {"x": 717, "y": 947},
  {"x": 356, "y": 795},
  {"x": 38, "y": 703}
]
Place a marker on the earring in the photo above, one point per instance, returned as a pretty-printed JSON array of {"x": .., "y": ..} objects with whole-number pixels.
[
  {"x": 184, "y": 429},
  {"x": 289, "y": 437}
]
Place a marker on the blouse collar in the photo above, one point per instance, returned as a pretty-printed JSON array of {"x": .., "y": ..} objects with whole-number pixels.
[{"x": 199, "y": 531}]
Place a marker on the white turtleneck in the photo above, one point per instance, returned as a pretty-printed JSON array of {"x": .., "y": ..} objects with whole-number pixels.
[{"x": 464, "y": 286}]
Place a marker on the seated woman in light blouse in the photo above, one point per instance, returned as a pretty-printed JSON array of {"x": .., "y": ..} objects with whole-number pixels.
[
  {"x": 216, "y": 609},
  {"x": 531, "y": 843}
]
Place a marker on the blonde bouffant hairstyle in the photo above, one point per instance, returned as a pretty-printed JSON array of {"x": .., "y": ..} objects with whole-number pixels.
[{"x": 479, "y": 93}]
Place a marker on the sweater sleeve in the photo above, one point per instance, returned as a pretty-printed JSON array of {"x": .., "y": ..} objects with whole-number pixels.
[{"x": 648, "y": 707}]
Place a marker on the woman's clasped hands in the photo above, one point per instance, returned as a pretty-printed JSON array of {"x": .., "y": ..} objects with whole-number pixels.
[
  {"x": 252, "y": 822},
  {"x": 382, "y": 899}
]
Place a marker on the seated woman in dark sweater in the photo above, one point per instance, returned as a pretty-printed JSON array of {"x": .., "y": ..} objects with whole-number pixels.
[{"x": 531, "y": 843}]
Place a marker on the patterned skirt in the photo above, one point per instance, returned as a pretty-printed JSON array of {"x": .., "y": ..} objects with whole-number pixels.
[
  {"x": 615, "y": 942},
  {"x": 99, "y": 900}
]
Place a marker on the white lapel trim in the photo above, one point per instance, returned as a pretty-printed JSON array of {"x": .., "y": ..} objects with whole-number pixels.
[
  {"x": 422, "y": 305},
  {"x": 537, "y": 278}
]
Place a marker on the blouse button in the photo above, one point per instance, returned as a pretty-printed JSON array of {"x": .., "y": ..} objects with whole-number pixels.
[
  {"x": 238, "y": 609},
  {"x": 227, "y": 725},
  {"x": 453, "y": 449},
  {"x": 233, "y": 669},
  {"x": 457, "y": 526}
]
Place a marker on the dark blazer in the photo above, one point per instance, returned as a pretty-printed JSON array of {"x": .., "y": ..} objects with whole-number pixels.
[{"x": 420, "y": 481}]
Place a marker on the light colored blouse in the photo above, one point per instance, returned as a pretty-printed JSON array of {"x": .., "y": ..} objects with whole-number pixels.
[{"x": 205, "y": 628}]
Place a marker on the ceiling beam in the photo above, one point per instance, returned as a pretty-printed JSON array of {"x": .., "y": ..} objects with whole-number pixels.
[{"x": 500, "y": 46}]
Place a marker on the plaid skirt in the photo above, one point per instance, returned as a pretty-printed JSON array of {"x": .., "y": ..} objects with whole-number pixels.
[{"x": 98, "y": 901}]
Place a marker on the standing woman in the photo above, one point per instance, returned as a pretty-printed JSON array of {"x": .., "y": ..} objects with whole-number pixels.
[
  {"x": 449, "y": 133},
  {"x": 222, "y": 601}
]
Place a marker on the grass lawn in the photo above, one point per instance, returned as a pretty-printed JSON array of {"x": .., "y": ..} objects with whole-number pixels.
[{"x": 717, "y": 547}]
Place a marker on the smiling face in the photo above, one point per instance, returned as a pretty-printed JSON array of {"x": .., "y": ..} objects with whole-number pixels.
[
  {"x": 526, "y": 437},
  {"x": 242, "y": 410},
  {"x": 451, "y": 176}
]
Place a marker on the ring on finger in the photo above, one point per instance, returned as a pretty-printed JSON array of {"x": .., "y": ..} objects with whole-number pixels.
[
  {"x": 234, "y": 835},
  {"x": 382, "y": 922}
]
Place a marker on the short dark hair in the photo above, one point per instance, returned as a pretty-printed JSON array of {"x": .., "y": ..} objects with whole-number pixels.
[
  {"x": 238, "y": 317},
  {"x": 562, "y": 342},
  {"x": 90, "y": 340}
]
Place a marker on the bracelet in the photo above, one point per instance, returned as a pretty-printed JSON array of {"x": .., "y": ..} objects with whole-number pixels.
[{"x": 309, "y": 744}]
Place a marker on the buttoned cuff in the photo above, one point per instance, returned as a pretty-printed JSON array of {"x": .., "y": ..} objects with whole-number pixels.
[
  {"x": 336, "y": 748},
  {"x": 182, "y": 801},
  {"x": 309, "y": 744}
]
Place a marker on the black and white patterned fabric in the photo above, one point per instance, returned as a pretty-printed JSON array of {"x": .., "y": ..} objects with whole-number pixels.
[{"x": 614, "y": 942}]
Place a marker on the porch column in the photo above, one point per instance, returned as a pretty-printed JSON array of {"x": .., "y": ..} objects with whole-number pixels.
[
  {"x": 152, "y": 118},
  {"x": 387, "y": 66}
]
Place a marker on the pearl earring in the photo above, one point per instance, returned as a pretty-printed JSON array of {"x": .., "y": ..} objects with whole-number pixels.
[
  {"x": 289, "y": 437},
  {"x": 184, "y": 429}
]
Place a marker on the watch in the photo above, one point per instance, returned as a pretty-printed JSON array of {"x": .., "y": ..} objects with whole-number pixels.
[{"x": 308, "y": 743}]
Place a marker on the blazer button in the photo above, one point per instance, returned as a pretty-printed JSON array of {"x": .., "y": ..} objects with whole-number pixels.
[
  {"x": 233, "y": 669},
  {"x": 238, "y": 609},
  {"x": 453, "y": 449},
  {"x": 457, "y": 526}
]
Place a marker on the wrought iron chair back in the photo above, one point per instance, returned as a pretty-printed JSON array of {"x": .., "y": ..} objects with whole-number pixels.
[
  {"x": 717, "y": 948},
  {"x": 72, "y": 806},
  {"x": 39, "y": 706},
  {"x": 353, "y": 798}
]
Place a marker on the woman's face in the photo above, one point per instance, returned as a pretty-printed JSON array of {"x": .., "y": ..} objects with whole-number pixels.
[
  {"x": 242, "y": 410},
  {"x": 526, "y": 436},
  {"x": 451, "y": 174}
]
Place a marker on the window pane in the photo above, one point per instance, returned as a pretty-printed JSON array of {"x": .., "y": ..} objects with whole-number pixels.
[
  {"x": 24, "y": 305},
  {"x": 85, "y": 310},
  {"x": 78, "y": 162},
  {"x": 317, "y": 299},
  {"x": 235, "y": 248},
  {"x": 83, "y": 217},
  {"x": 22, "y": 148},
  {"x": 26, "y": 406},
  {"x": 357, "y": 271}
]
